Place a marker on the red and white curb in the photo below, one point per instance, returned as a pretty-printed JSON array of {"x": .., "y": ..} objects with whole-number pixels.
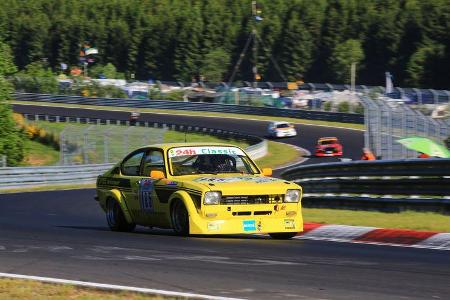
[{"x": 378, "y": 236}]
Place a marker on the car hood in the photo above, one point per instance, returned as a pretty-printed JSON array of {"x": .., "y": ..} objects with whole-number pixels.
[
  {"x": 244, "y": 184},
  {"x": 328, "y": 146}
]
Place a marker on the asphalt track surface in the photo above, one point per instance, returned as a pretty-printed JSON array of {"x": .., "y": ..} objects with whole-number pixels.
[{"x": 64, "y": 234}]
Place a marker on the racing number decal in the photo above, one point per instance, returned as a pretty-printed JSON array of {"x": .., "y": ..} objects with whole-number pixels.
[{"x": 145, "y": 195}]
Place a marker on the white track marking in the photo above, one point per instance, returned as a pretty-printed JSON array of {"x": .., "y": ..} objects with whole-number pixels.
[
  {"x": 114, "y": 287},
  {"x": 440, "y": 240},
  {"x": 177, "y": 114}
]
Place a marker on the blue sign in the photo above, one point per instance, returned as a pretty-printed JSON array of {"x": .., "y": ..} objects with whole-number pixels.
[{"x": 249, "y": 225}]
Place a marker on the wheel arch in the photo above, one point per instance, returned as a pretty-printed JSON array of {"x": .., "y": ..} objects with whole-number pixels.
[{"x": 117, "y": 196}]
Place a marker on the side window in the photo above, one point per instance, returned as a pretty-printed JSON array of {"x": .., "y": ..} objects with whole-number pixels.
[
  {"x": 154, "y": 161},
  {"x": 132, "y": 165}
]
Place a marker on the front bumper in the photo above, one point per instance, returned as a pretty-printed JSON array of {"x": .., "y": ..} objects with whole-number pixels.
[
  {"x": 323, "y": 154},
  {"x": 247, "y": 219}
]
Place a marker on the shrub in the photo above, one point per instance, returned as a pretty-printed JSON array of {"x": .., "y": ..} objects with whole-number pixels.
[{"x": 344, "y": 107}]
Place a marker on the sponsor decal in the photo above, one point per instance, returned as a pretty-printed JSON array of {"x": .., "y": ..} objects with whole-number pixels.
[
  {"x": 146, "y": 188},
  {"x": 182, "y": 151},
  {"x": 289, "y": 224},
  {"x": 249, "y": 225},
  {"x": 213, "y": 226},
  {"x": 255, "y": 179},
  {"x": 259, "y": 227}
]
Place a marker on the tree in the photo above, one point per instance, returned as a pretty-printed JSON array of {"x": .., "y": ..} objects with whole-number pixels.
[
  {"x": 343, "y": 56},
  {"x": 11, "y": 139},
  {"x": 215, "y": 65},
  {"x": 7, "y": 66},
  {"x": 109, "y": 71},
  {"x": 423, "y": 63},
  {"x": 37, "y": 78}
]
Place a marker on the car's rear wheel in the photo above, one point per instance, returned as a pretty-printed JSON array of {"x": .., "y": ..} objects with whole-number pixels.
[
  {"x": 180, "y": 218},
  {"x": 282, "y": 235},
  {"x": 115, "y": 217}
]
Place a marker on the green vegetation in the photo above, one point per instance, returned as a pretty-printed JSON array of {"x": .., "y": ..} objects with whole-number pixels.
[
  {"x": 404, "y": 220},
  {"x": 38, "y": 154},
  {"x": 179, "y": 39},
  {"x": 11, "y": 137},
  {"x": 16, "y": 289},
  {"x": 279, "y": 155}
]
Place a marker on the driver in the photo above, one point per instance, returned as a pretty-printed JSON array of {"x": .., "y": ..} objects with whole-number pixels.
[{"x": 215, "y": 163}]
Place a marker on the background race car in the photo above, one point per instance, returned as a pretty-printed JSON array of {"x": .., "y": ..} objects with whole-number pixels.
[
  {"x": 281, "y": 129},
  {"x": 328, "y": 146}
]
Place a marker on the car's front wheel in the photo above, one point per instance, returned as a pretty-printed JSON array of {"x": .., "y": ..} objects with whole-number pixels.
[
  {"x": 282, "y": 235},
  {"x": 116, "y": 218},
  {"x": 180, "y": 218}
]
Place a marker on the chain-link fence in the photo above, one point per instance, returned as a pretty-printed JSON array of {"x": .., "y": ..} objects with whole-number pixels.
[
  {"x": 104, "y": 144},
  {"x": 387, "y": 120}
]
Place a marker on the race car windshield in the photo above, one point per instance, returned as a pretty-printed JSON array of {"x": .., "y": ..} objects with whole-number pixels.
[
  {"x": 209, "y": 160},
  {"x": 328, "y": 142},
  {"x": 283, "y": 126}
]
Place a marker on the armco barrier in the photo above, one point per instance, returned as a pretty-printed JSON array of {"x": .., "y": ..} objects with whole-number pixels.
[
  {"x": 12, "y": 178},
  {"x": 418, "y": 184},
  {"x": 195, "y": 106}
]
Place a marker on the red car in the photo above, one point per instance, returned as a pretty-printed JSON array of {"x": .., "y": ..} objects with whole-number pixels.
[{"x": 328, "y": 146}]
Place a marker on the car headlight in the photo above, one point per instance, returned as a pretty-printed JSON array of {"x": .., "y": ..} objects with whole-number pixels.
[
  {"x": 212, "y": 198},
  {"x": 292, "y": 196}
]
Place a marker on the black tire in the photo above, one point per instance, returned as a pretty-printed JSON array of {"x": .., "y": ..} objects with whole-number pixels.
[
  {"x": 115, "y": 217},
  {"x": 282, "y": 235},
  {"x": 180, "y": 218}
]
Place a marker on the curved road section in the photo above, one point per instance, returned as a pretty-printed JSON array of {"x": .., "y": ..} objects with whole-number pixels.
[{"x": 63, "y": 234}]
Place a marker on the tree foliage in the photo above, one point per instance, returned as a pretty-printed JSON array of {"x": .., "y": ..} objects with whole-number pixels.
[
  {"x": 171, "y": 40},
  {"x": 344, "y": 55}
]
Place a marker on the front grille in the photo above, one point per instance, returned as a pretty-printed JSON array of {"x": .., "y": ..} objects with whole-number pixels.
[
  {"x": 330, "y": 149},
  {"x": 253, "y": 199}
]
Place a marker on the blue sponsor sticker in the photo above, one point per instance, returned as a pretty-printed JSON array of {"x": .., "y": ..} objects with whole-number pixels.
[{"x": 249, "y": 225}]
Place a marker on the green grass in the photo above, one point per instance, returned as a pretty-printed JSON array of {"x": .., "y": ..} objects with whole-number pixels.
[
  {"x": 15, "y": 289},
  {"x": 402, "y": 220},
  {"x": 279, "y": 155},
  {"x": 37, "y": 154},
  {"x": 210, "y": 114}
]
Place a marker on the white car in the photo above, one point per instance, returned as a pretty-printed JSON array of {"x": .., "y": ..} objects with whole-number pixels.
[{"x": 279, "y": 129}]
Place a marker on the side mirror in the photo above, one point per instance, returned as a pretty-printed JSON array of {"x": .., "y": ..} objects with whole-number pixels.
[
  {"x": 157, "y": 174},
  {"x": 267, "y": 171}
]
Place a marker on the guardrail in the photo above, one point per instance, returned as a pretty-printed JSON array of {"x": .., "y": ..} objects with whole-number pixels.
[
  {"x": 195, "y": 106},
  {"x": 21, "y": 177},
  {"x": 417, "y": 184}
]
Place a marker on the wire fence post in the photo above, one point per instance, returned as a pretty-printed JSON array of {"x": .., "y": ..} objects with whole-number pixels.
[{"x": 3, "y": 161}]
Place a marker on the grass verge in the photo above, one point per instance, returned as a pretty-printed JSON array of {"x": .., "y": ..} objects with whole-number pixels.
[
  {"x": 16, "y": 289},
  {"x": 37, "y": 154},
  {"x": 202, "y": 114},
  {"x": 403, "y": 220}
]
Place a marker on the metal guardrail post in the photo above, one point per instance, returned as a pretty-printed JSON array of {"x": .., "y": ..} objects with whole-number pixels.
[{"x": 3, "y": 160}]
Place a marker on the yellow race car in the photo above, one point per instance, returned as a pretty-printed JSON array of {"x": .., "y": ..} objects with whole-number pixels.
[{"x": 198, "y": 189}]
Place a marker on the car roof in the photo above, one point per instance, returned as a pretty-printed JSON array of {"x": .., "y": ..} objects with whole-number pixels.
[
  {"x": 166, "y": 146},
  {"x": 279, "y": 122},
  {"x": 332, "y": 138}
]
